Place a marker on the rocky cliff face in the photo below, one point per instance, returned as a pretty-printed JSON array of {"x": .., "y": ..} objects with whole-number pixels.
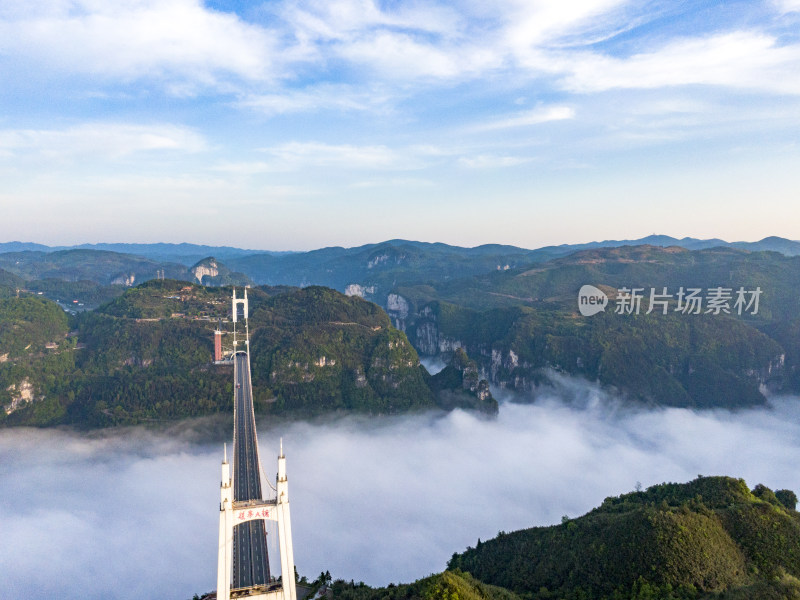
[
  {"x": 211, "y": 272},
  {"x": 397, "y": 308},
  {"x": 673, "y": 366},
  {"x": 461, "y": 385},
  {"x": 21, "y": 394},
  {"x": 362, "y": 291},
  {"x": 390, "y": 256},
  {"x": 422, "y": 327},
  {"x": 126, "y": 279},
  {"x": 207, "y": 268}
]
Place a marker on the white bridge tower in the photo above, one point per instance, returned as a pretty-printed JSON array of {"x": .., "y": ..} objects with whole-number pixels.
[{"x": 234, "y": 513}]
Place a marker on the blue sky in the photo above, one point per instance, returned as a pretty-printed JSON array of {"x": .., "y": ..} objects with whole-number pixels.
[{"x": 301, "y": 124}]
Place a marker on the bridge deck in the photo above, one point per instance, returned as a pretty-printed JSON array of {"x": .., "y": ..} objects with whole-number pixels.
[{"x": 250, "y": 559}]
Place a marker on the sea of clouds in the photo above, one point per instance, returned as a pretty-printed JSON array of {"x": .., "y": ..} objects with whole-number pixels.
[{"x": 133, "y": 512}]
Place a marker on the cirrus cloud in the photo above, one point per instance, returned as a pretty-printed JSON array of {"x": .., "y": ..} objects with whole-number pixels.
[
  {"x": 740, "y": 59},
  {"x": 180, "y": 41},
  {"x": 114, "y": 140}
]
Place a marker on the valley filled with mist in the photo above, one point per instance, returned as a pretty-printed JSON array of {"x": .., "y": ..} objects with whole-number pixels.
[{"x": 374, "y": 499}]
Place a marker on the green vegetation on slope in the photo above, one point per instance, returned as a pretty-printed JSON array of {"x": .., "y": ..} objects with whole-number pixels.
[
  {"x": 516, "y": 325},
  {"x": 27, "y": 324},
  {"x": 450, "y": 585},
  {"x": 95, "y": 265},
  {"x": 9, "y": 283},
  {"x": 88, "y": 293},
  {"x": 317, "y": 350},
  {"x": 36, "y": 356},
  {"x": 147, "y": 356},
  {"x": 708, "y": 536}
]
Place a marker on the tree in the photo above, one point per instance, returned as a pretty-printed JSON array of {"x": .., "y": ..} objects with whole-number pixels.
[{"x": 787, "y": 497}]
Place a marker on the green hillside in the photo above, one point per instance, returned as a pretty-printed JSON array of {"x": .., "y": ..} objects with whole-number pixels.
[
  {"x": 88, "y": 294},
  {"x": 146, "y": 355},
  {"x": 518, "y": 324},
  {"x": 9, "y": 283},
  {"x": 450, "y": 585},
  {"x": 94, "y": 265},
  {"x": 28, "y": 324},
  {"x": 379, "y": 267},
  {"x": 317, "y": 350},
  {"x": 556, "y": 282},
  {"x": 696, "y": 540},
  {"x": 709, "y": 539},
  {"x": 36, "y": 355}
]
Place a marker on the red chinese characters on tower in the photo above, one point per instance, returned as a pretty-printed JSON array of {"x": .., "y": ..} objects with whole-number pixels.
[{"x": 244, "y": 516}]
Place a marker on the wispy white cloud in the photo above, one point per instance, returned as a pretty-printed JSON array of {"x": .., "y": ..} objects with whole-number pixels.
[
  {"x": 412, "y": 182},
  {"x": 787, "y": 6},
  {"x": 296, "y": 154},
  {"x": 541, "y": 22},
  {"x": 340, "y": 97},
  {"x": 103, "y": 140},
  {"x": 527, "y": 118},
  {"x": 187, "y": 47},
  {"x": 401, "y": 55},
  {"x": 247, "y": 167},
  {"x": 341, "y": 19},
  {"x": 404, "y": 41},
  {"x": 180, "y": 41},
  {"x": 486, "y": 161},
  {"x": 740, "y": 59}
]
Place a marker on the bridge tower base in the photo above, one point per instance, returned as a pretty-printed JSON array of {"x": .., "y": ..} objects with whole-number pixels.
[{"x": 234, "y": 513}]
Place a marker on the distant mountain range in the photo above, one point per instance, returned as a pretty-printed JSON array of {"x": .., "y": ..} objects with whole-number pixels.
[
  {"x": 513, "y": 310},
  {"x": 771, "y": 243},
  {"x": 371, "y": 271},
  {"x": 188, "y": 254}
]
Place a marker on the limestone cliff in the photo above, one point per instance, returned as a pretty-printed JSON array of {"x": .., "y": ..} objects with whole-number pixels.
[
  {"x": 212, "y": 272},
  {"x": 205, "y": 268},
  {"x": 21, "y": 394}
]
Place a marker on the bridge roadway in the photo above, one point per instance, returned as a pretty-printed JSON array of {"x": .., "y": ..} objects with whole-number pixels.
[{"x": 250, "y": 560}]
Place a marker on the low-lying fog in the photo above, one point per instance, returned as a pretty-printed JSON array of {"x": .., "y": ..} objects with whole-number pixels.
[{"x": 134, "y": 513}]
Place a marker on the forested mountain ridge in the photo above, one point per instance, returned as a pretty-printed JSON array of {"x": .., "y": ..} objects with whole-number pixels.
[
  {"x": 518, "y": 324},
  {"x": 102, "y": 267},
  {"x": 695, "y": 540},
  {"x": 82, "y": 279},
  {"x": 371, "y": 270},
  {"x": 146, "y": 355}
]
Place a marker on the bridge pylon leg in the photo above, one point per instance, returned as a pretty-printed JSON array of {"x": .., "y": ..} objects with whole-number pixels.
[
  {"x": 225, "y": 555},
  {"x": 285, "y": 531}
]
